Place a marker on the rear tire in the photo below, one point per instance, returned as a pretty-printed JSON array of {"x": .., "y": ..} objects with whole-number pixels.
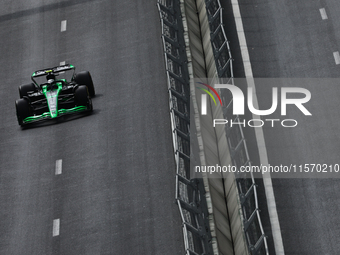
[
  {"x": 23, "y": 110},
  {"x": 84, "y": 78},
  {"x": 24, "y": 89},
  {"x": 81, "y": 96}
]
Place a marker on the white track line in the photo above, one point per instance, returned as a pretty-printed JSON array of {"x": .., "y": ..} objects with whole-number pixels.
[
  {"x": 323, "y": 13},
  {"x": 267, "y": 181},
  {"x": 56, "y": 227},
  {"x": 58, "y": 166},
  {"x": 63, "y": 26},
  {"x": 336, "y": 57}
]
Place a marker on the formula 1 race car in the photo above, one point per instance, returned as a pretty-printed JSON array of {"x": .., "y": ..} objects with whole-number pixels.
[{"x": 42, "y": 100}]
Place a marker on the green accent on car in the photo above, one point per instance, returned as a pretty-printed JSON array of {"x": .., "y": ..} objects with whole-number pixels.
[
  {"x": 52, "y": 98},
  {"x": 47, "y": 115}
]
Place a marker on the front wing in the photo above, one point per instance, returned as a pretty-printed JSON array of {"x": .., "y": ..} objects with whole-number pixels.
[{"x": 61, "y": 112}]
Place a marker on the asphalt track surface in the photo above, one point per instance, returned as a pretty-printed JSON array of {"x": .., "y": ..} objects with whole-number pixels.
[
  {"x": 290, "y": 39},
  {"x": 115, "y": 193}
]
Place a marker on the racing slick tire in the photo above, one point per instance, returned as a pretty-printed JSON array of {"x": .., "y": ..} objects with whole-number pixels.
[
  {"x": 81, "y": 96},
  {"x": 84, "y": 78},
  {"x": 23, "y": 110},
  {"x": 24, "y": 89}
]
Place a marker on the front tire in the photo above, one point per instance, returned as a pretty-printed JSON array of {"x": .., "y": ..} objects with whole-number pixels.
[
  {"x": 23, "y": 110},
  {"x": 24, "y": 89},
  {"x": 84, "y": 78},
  {"x": 81, "y": 97}
]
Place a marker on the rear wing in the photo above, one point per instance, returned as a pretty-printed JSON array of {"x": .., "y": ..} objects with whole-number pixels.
[{"x": 54, "y": 70}]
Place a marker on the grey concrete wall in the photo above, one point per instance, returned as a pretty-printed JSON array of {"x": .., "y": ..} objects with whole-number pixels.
[{"x": 222, "y": 195}]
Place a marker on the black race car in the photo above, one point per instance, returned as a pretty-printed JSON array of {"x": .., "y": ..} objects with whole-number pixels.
[{"x": 50, "y": 96}]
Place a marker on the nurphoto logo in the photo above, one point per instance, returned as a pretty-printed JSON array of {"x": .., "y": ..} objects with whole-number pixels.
[{"x": 302, "y": 96}]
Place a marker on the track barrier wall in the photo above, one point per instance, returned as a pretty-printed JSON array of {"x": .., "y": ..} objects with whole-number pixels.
[
  {"x": 220, "y": 215},
  {"x": 190, "y": 193}
]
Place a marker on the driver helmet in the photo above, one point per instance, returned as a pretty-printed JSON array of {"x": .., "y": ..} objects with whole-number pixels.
[{"x": 50, "y": 78}]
